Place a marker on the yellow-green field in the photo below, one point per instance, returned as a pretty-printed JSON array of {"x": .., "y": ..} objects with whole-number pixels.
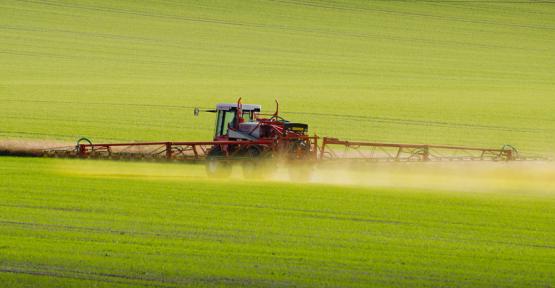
[
  {"x": 438, "y": 72},
  {"x": 477, "y": 73}
]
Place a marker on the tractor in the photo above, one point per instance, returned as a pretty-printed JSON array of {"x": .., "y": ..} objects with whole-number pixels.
[{"x": 242, "y": 133}]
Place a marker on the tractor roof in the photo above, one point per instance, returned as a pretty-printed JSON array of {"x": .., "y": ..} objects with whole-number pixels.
[{"x": 233, "y": 106}]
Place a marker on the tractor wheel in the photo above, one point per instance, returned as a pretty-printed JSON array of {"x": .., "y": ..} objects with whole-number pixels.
[
  {"x": 255, "y": 165},
  {"x": 216, "y": 165}
]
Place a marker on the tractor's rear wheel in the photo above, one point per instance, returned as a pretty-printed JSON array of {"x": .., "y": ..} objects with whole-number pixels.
[{"x": 255, "y": 164}]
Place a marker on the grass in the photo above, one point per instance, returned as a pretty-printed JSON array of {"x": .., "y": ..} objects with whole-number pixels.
[
  {"x": 440, "y": 72},
  {"x": 436, "y": 72},
  {"x": 65, "y": 224}
]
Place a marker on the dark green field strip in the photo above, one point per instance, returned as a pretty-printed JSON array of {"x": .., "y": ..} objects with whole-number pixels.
[
  {"x": 68, "y": 278},
  {"x": 252, "y": 259},
  {"x": 18, "y": 277},
  {"x": 513, "y": 238},
  {"x": 334, "y": 263},
  {"x": 304, "y": 235}
]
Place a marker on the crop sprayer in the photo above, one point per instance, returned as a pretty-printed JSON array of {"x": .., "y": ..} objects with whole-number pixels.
[{"x": 243, "y": 134}]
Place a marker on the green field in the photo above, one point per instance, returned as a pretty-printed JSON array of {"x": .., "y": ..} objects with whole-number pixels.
[
  {"x": 68, "y": 223},
  {"x": 479, "y": 73},
  {"x": 438, "y": 72}
]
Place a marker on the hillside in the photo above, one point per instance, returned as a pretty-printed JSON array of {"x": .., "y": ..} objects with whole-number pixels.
[{"x": 472, "y": 73}]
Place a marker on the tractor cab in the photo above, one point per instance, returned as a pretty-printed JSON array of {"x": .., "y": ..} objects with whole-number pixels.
[
  {"x": 230, "y": 116},
  {"x": 237, "y": 121}
]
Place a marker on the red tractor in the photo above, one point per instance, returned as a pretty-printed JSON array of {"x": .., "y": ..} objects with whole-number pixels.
[{"x": 242, "y": 133}]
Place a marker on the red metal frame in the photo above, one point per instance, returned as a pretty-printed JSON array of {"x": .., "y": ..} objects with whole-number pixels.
[
  {"x": 183, "y": 150},
  {"x": 410, "y": 152},
  {"x": 158, "y": 150},
  {"x": 328, "y": 150}
]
